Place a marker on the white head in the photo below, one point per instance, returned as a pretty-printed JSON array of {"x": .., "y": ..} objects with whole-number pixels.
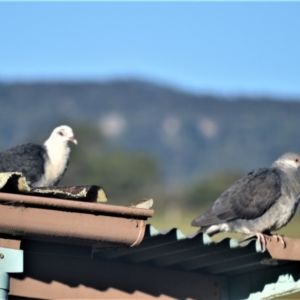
[
  {"x": 288, "y": 160},
  {"x": 62, "y": 134}
]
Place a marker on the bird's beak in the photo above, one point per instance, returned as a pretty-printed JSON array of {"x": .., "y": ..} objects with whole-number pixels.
[{"x": 73, "y": 140}]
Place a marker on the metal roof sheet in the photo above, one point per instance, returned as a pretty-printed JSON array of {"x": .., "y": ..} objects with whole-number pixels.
[{"x": 198, "y": 253}]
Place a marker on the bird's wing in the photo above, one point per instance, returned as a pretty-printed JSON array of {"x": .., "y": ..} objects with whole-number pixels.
[
  {"x": 249, "y": 198},
  {"x": 28, "y": 159}
]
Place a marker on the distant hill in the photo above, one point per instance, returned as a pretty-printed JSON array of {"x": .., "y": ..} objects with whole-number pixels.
[{"x": 191, "y": 135}]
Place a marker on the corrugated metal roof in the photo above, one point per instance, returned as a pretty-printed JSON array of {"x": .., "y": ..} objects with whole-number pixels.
[{"x": 195, "y": 253}]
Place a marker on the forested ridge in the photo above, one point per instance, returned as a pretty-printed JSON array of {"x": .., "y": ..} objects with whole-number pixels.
[{"x": 156, "y": 133}]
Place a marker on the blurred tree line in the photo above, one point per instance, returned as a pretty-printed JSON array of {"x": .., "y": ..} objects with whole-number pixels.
[
  {"x": 128, "y": 176},
  {"x": 190, "y": 134},
  {"x": 179, "y": 148},
  {"x": 204, "y": 191}
]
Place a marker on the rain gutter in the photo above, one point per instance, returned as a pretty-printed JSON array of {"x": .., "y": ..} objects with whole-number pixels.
[
  {"x": 57, "y": 220},
  {"x": 289, "y": 251}
]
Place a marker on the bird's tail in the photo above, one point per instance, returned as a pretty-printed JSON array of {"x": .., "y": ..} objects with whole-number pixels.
[{"x": 209, "y": 230}]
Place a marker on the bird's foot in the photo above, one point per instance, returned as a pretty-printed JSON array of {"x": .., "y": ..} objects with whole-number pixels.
[{"x": 262, "y": 239}]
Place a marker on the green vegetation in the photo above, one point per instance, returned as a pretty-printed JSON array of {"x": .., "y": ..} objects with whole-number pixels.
[
  {"x": 181, "y": 149},
  {"x": 189, "y": 135},
  {"x": 204, "y": 192},
  {"x": 126, "y": 176}
]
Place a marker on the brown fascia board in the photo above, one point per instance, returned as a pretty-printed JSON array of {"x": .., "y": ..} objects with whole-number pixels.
[
  {"x": 278, "y": 251},
  {"x": 73, "y": 222}
]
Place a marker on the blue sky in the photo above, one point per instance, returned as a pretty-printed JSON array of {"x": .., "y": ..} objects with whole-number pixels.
[{"x": 228, "y": 48}]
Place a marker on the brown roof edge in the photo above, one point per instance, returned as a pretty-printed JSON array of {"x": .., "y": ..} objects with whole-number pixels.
[
  {"x": 289, "y": 251},
  {"x": 70, "y": 205},
  {"x": 71, "y": 222}
]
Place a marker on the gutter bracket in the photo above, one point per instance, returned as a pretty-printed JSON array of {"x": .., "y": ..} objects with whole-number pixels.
[{"x": 11, "y": 261}]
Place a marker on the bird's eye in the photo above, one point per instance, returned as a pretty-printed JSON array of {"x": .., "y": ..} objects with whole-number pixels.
[
  {"x": 60, "y": 133},
  {"x": 296, "y": 159}
]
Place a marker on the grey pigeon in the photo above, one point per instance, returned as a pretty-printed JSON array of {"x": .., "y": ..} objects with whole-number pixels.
[
  {"x": 42, "y": 165},
  {"x": 264, "y": 200}
]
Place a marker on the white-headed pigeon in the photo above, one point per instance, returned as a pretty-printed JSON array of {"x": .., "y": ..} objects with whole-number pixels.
[{"x": 42, "y": 165}]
